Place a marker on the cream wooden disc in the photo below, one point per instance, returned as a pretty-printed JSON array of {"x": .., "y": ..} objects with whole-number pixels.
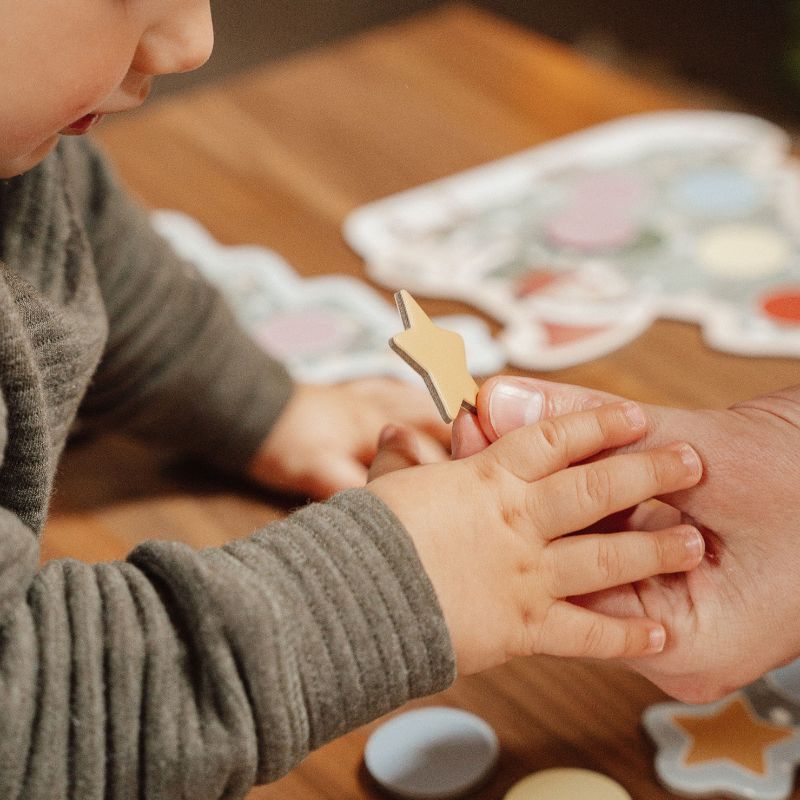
[
  {"x": 567, "y": 784},
  {"x": 744, "y": 251}
]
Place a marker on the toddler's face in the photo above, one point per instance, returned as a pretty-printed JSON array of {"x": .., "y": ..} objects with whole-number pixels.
[{"x": 65, "y": 64}]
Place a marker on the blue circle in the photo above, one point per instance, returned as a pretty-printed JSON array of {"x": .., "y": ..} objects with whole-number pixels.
[
  {"x": 432, "y": 753},
  {"x": 716, "y": 192}
]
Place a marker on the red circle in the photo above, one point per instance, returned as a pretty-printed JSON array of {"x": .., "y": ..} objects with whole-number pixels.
[{"x": 783, "y": 305}]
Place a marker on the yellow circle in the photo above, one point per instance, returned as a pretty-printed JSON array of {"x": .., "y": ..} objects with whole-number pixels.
[
  {"x": 743, "y": 250},
  {"x": 567, "y": 784}
]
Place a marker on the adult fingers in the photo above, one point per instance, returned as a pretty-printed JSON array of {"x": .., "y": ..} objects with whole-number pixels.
[
  {"x": 535, "y": 451},
  {"x": 589, "y": 563},
  {"x": 570, "y": 630},
  {"x": 507, "y": 403},
  {"x": 609, "y": 485}
]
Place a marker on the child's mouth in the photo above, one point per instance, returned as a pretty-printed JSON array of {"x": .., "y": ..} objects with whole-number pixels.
[{"x": 82, "y": 125}]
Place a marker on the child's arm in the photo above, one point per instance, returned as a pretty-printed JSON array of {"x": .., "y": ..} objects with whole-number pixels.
[
  {"x": 177, "y": 368},
  {"x": 180, "y": 673},
  {"x": 197, "y": 674}
]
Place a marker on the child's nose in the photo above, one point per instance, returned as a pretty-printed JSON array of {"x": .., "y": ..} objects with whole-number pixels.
[{"x": 181, "y": 42}]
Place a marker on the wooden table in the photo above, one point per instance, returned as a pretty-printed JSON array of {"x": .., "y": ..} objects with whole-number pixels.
[{"x": 279, "y": 157}]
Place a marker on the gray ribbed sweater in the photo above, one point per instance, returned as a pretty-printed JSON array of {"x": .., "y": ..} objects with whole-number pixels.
[{"x": 177, "y": 673}]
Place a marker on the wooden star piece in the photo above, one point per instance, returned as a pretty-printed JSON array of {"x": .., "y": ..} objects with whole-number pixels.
[
  {"x": 723, "y": 748},
  {"x": 438, "y": 355},
  {"x": 733, "y": 733}
]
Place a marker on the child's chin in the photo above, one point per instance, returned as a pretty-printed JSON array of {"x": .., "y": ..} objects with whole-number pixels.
[{"x": 17, "y": 165}]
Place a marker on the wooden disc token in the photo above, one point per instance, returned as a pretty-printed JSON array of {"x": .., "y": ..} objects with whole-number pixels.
[
  {"x": 567, "y": 784},
  {"x": 431, "y": 753}
]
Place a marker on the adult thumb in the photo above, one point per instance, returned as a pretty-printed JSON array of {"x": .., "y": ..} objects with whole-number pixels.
[{"x": 506, "y": 403}]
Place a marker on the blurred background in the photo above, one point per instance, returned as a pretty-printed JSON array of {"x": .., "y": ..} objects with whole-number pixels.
[{"x": 740, "y": 54}]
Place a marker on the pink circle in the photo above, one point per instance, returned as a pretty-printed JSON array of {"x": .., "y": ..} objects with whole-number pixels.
[
  {"x": 591, "y": 231},
  {"x": 303, "y": 333},
  {"x": 608, "y": 190},
  {"x": 599, "y": 214}
]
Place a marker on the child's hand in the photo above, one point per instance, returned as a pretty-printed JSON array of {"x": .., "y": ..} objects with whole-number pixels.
[
  {"x": 734, "y": 617},
  {"x": 327, "y": 436},
  {"x": 491, "y": 533}
]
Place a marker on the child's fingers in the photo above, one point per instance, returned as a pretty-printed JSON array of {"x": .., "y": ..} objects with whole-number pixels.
[
  {"x": 468, "y": 438},
  {"x": 397, "y": 449},
  {"x": 332, "y": 475},
  {"x": 575, "y": 498},
  {"x": 400, "y": 447},
  {"x": 531, "y": 453},
  {"x": 592, "y": 562},
  {"x": 578, "y": 632}
]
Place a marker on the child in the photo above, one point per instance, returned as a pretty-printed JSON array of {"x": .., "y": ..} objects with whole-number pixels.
[{"x": 197, "y": 674}]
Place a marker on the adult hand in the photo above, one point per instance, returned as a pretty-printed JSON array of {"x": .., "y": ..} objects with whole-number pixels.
[{"x": 738, "y": 614}]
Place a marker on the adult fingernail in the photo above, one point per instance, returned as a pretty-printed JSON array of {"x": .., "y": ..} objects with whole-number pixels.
[
  {"x": 658, "y": 638},
  {"x": 512, "y": 405},
  {"x": 690, "y": 459}
]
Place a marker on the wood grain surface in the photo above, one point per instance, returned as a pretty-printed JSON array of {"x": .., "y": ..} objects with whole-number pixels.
[{"x": 279, "y": 157}]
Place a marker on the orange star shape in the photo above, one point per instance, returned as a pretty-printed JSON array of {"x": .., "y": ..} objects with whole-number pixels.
[
  {"x": 437, "y": 355},
  {"x": 733, "y": 733}
]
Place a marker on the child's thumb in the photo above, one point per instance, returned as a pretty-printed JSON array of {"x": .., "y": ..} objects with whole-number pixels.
[{"x": 397, "y": 449}]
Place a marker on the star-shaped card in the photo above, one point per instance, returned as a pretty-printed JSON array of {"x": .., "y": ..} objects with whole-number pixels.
[{"x": 438, "y": 355}]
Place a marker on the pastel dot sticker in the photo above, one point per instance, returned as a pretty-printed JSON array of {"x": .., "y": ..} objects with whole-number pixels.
[
  {"x": 716, "y": 192},
  {"x": 567, "y": 784},
  {"x": 432, "y": 753},
  {"x": 599, "y": 214},
  {"x": 307, "y": 332},
  {"x": 591, "y": 231},
  {"x": 743, "y": 251},
  {"x": 783, "y": 305}
]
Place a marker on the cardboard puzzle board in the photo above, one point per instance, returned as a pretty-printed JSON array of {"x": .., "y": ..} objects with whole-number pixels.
[
  {"x": 325, "y": 329},
  {"x": 576, "y": 246}
]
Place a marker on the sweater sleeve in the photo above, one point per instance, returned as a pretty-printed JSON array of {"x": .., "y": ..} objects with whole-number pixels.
[
  {"x": 183, "y": 673},
  {"x": 177, "y": 368}
]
